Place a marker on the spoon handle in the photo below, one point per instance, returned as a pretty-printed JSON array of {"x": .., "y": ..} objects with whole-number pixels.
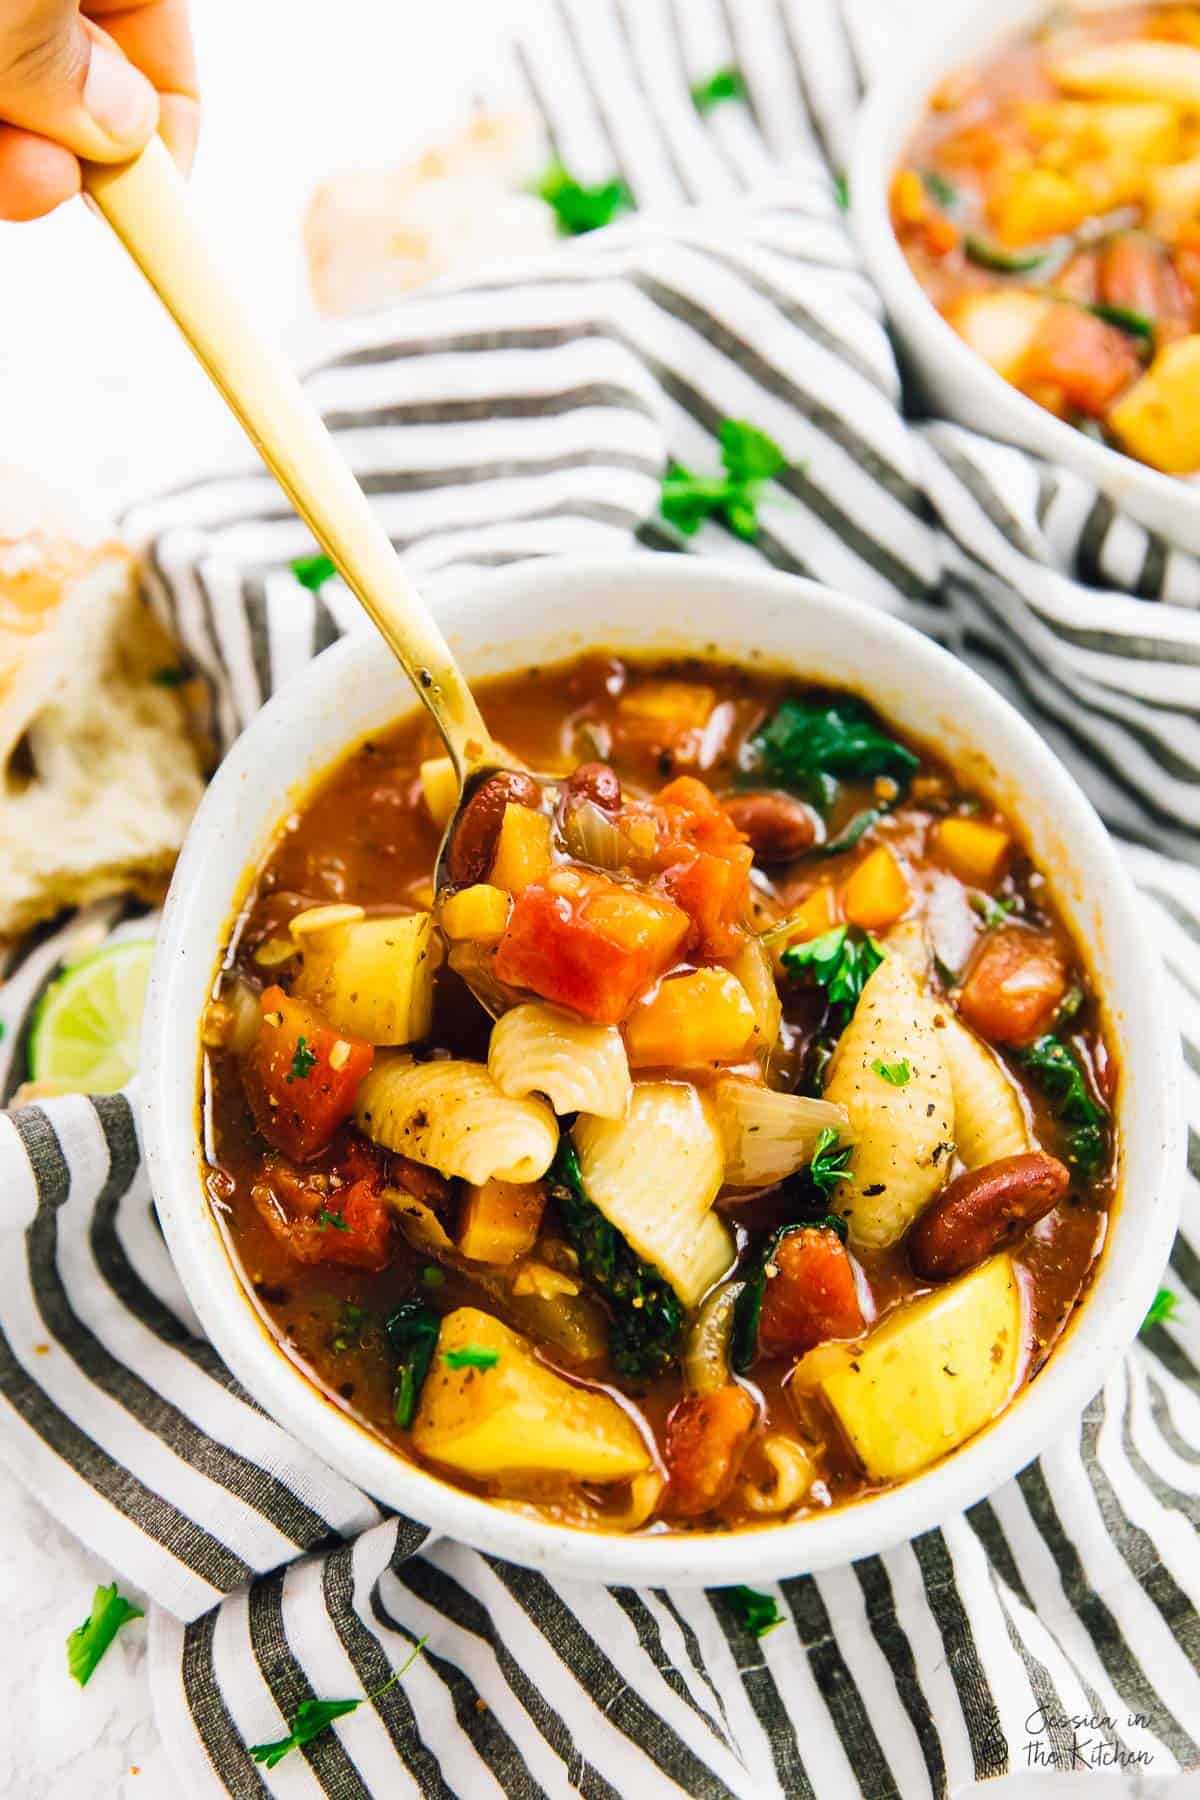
[{"x": 146, "y": 203}]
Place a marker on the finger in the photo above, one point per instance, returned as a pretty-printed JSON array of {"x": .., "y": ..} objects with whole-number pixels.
[
  {"x": 35, "y": 175},
  {"x": 155, "y": 36},
  {"x": 61, "y": 77}
]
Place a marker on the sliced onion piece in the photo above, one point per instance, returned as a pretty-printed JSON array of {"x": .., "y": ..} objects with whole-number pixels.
[
  {"x": 591, "y": 835},
  {"x": 706, "y": 1349},
  {"x": 768, "y": 1135}
]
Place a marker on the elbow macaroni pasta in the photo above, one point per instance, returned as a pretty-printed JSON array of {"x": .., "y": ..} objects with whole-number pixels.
[
  {"x": 452, "y": 1116},
  {"x": 654, "y": 1175},
  {"x": 540, "y": 1049}
]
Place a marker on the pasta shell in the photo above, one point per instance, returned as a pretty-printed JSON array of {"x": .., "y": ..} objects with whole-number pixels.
[
  {"x": 538, "y": 1049},
  {"x": 452, "y": 1116},
  {"x": 989, "y": 1121},
  {"x": 903, "y": 1135},
  {"x": 654, "y": 1175}
]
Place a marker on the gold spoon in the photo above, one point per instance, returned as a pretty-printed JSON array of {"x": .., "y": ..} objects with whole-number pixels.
[{"x": 146, "y": 203}]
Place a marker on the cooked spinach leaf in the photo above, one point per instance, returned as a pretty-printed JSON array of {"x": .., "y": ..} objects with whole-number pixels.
[
  {"x": 812, "y": 746},
  {"x": 647, "y": 1319},
  {"x": 1137, "y": 324},
  {"x": 412, "y": 1335},
  {"x": 1085, "y": 1119},
  {"x": 939, "y": 189}
]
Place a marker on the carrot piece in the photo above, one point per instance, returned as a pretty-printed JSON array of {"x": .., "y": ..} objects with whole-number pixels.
[
  {"x": 817, "y": 914},
  {"x": 810, "y": 1297},
  {"x": 500, "y": 1220},
  {"x": 1084, "y": 360},
  {"x": 522, "y": 849},
  {"x": 876, "y": 893},
  {"x": 972, "y": 849},
  {"x": 1014, "y": 985},
  {"x": 705, "y": 1016},
  {"x": 317, "y": 1222},
  {"x": 706, "y": 1437}
]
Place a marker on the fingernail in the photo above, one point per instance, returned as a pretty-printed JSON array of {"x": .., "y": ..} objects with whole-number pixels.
[{"x": 119, "y": 100}]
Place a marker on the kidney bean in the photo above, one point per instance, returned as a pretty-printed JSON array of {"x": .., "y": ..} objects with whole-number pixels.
[
  {"x": 779, "y": 826},
  {"x": 596, "y": 782},
  {"x": 984, "y": 1209},
  {"x": 473, "y": 845}
]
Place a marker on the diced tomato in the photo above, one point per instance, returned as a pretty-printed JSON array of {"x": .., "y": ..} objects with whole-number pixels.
[
  {"x": 300, "y": 1077},
  {"x": 811, "y": 1296},
  {"x": 318, "y": 1221},
  {"x": 1135, "y": 273},
  {"x": 1014, "y": 985},
  {"x": 589, "y": 943},
  {"x": 706, "y": 1437},
  {"x": 1086, "y": 361},
  {"x": 712, "y": 890},
  {"x": 705, "y": 862}
]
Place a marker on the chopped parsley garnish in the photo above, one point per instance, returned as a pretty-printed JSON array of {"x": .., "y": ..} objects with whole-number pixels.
[
  {"x": 350, "y": 1327},
  {"x": 938, "y": 188},
  {"x": 647, "y": 1319},
  {"x": 1163, "y": 1308},
  {"x": 432, "y": 1276},
  {"x": 313, "y": 571},
  {"x": 304, "y": 1060},
  {"x": 751, "y": 459},
  {"x": 897, "y": 1074},
  {"x": 841, "y": 961},
  {"x": 579, "y": 208},
  {"x": 171, "y": 675},
  {"x": 335, "y": 1219},
  {"x": 813, "y": 746},
  {"x": 88, "y": 1642},
  {"x": 830, "y": 1164},
  {"x": 412, "y": 1335},
  {"x": 841, "y": 192},
  {"x": 1137, "y": 324},
  {"x": 312, "y": 1717},
  {"x": 757, "y": 1612},
  {"x": 726, "y": 84},
  {"x": 1060, "y": 1073},
  {"x": 470, "y": 1357}
]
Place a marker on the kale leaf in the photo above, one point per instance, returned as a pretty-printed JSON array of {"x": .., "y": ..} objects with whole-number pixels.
[
  {"x": 647, "y": 1319},
  {"x": 811, "y": 745},
  {"x": 1061, "y": 1075},
  {"x": 412, "y": 1334}
]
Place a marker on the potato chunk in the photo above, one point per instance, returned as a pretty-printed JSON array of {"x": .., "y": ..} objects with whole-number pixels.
[
  {"x": 931, "y": 1375},
  {"x": 1158, "y": 420},
  {"x": 1000, "y": 326},
  {"x": 518, "y": 1420},
  {"x": 373, "y": 978}
]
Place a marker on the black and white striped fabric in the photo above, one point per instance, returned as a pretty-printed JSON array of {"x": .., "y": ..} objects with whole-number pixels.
[{"x": 532, "y": 413}]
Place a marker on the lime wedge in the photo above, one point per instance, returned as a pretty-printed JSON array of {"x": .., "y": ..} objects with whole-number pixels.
[{"x": 88, "y": 1023}]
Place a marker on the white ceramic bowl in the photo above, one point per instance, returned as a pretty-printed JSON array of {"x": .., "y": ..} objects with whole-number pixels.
[
  {"x": 953, "y": 381},
  {"x": 539, "y": 613}
]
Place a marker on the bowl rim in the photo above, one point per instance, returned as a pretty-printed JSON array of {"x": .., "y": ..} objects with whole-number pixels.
[
  {"x": 172, "y": 1145},
  {"x": 891, "y": 108}
]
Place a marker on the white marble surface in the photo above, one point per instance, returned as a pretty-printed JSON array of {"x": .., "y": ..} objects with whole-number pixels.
[{"x": 96, "y": 391}]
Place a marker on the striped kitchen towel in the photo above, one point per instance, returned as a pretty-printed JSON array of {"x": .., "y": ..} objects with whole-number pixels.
[{"x": 532, "y": 412}]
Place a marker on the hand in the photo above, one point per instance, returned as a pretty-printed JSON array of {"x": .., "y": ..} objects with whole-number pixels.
[{"x": 88, "y": 78}]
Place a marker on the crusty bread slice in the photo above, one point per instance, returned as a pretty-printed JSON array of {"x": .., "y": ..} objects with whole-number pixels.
[
  {"x": 98, "y": 774},
  {"x": 372, "y": 236}
]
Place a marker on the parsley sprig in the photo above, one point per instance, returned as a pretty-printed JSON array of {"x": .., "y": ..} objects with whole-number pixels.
[
  {"x": 841, "y": 961},
  {"x": 830, "y": 1161},
  {"x": 312, "y": 1717},
  {"x": 897, "y": 1074},
  {"x": 751, "y": 459},
  {"x": 304, "y": 1060},
  {"x": 88, "y": 1642},
  {"x": 324, "y": 1218},
  {"x": 757, "y": 1612},
  {"x": 725, "y": 84},
  {"x": 1163, "y": 1308},
  {"x": 811, "y": 747},
  {"x": 578, "y": 208}
]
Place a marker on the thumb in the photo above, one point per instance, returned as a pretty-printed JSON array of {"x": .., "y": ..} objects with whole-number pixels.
[{"x": 64, "y": 78}]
